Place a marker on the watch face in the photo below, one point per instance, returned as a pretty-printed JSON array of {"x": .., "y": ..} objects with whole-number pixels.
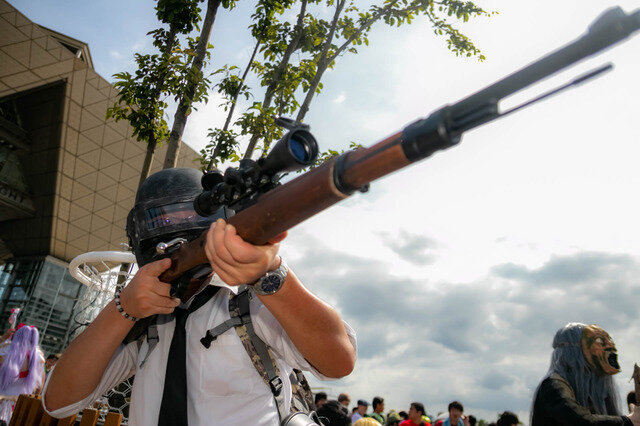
[{"x": 271, "y": 283}]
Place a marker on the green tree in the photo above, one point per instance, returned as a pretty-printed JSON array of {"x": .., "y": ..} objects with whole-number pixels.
[
  {"x": 275, "y": 79},
  {"x": 142, "y": 98},
  {"x": 293, "y": 59},
  {"x": 349, "y": 28},
  {"x": 318, "y": 43},
  {"x": 195, "y": 85},
  {"x": 224, "y": 142}
]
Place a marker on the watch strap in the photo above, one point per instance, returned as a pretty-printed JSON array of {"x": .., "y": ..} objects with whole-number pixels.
[{"x": 272, "y": 281}]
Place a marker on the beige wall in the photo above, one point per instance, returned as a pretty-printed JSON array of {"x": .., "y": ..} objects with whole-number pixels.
[{"x": 98, "y": 162}]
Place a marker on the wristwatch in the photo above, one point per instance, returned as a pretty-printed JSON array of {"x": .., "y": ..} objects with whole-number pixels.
[{"x": 272, "y": 281}]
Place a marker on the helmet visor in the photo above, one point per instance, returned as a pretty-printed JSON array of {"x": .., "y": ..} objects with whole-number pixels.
[{"x": 173, "y": 215}]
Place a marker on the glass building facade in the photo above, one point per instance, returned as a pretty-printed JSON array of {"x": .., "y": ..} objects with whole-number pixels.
[
  {"x": 68, "y": 176},
  {"x": 46, "y": 294}
]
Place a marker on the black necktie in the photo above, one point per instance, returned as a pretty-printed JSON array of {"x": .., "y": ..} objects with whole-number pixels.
[{"x": 173, "y": 410}]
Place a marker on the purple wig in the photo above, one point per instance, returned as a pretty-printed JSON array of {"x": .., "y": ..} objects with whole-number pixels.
[{"x": 25, "y": 341}]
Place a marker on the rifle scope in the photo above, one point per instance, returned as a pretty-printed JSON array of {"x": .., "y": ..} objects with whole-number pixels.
[{"x": 239, "y": 187}]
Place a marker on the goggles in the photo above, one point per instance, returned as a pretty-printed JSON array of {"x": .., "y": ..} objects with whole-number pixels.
[{"x": 172, "y": 215}]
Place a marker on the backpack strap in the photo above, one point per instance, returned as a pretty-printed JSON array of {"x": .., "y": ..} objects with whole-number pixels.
[
  {"x": 152, "y": 341},
  {"x": 302, "y": 397},
  {"x": 151, "y": 334},
  {"x": 258, "y": 351}
]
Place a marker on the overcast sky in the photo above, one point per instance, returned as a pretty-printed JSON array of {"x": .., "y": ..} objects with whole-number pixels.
[{"x": 456, "y": 272}]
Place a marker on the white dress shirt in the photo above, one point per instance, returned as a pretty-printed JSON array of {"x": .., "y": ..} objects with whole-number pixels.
[{"x": 224, "y": 387}]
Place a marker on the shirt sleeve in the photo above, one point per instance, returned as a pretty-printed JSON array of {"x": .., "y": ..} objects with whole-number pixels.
[
  {"x": 557, "y": 400},
  {"x": 121, "y": 367},
  {"x": 271, "y": 332}
]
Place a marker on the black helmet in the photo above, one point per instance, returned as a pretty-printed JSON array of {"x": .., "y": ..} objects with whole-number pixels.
[{"x": 164, "y": 211}]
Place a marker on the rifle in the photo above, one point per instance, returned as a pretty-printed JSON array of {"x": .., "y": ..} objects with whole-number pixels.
[{"x": 264, "y": 209}]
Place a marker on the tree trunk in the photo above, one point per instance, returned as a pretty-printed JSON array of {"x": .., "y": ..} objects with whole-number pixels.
[
  {"x": 304, "y": 108},
  {"x": 148, "y": 160},
  {"x": 282, "y": 66},
  {"x": 323, "y": 63},
  {"x": 180, "y": 117},
  {"x": 151, "y": 144}
]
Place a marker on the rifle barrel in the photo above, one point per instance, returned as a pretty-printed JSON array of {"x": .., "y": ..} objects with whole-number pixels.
[
  {"x": 292, "y": 203},
  {"x": 613, "y": 26}
]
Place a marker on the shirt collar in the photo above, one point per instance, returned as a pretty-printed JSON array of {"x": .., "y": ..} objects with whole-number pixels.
[{"x": 214, "y": 280}]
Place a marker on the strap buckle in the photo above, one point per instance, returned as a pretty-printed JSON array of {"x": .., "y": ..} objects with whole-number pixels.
[
  {"x": 276, "y": 385},
  {"x": 206, "y": 340}
]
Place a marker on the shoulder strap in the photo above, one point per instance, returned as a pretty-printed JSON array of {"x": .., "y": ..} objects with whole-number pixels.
[
  {"x": 302, "y": 397},
  {"x": 260, "y": 354},
  {"x": 152, "y": 341},
  {"x": 151, "y": 334}
]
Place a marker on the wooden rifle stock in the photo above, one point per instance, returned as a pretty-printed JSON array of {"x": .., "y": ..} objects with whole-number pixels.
[{"x": 297, "y": 200}]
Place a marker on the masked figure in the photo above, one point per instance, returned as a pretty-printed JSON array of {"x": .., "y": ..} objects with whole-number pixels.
[
  {"x": 193, "y": 365},
  {"x": 579, "y": 387}
]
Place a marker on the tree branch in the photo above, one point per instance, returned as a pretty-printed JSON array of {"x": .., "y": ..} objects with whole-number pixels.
[{"x": 366, "y": 25}]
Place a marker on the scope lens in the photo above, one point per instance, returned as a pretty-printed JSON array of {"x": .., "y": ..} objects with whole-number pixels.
[{"x": 298, "y": 150}]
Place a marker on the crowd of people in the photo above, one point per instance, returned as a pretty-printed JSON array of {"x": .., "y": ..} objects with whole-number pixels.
[{"x": 337, "y": 413}]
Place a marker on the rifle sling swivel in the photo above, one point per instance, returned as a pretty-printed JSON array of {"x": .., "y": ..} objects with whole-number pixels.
[{"x": 338, "y": 176}]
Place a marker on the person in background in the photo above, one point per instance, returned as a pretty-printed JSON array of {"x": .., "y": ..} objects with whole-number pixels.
[
  {"x": 361, "y": 410},
  {"x": 22, "y": 371},
  {"x": 455, "y": 415},
  {"x": 344, "y": 399},
  {"x": 579, "y": 388},
  {"x": 320, "y": 399},
  {"x": 333, "y": 413},
  {"x": 51, "y": 362},
  {"x": 472, "y": 420},
  {"x": 378, "y": 407},
  {"x": 416, "y": 411},
  {"x": 393, "y": 419},
  {"x": 508, "y": 419}
]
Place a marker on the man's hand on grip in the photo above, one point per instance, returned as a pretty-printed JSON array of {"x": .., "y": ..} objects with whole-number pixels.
[
  {"x": 146, "y": 295},
  {"x": 236, "y": 261}
]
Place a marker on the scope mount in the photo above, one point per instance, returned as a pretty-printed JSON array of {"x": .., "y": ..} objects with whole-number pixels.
[{"x": 240, "y": 187}]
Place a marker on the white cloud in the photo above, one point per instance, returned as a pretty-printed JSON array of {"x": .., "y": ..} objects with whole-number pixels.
[
  {"x": 486, "y": 342},
  {"x": 340, "y": 99}
]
